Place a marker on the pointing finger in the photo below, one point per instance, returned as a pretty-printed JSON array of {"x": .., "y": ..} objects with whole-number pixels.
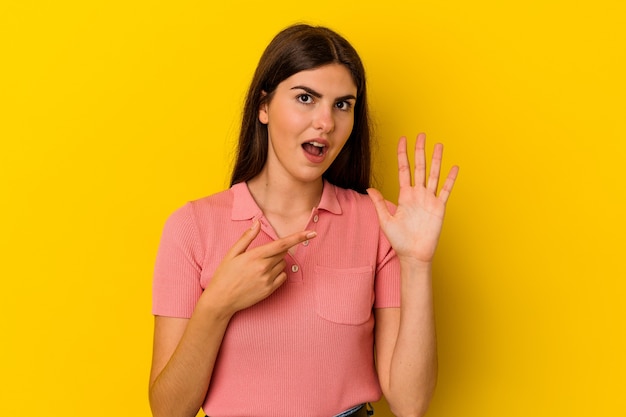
[
  {"x": 244, "y": 241},
  {"x": 281, "y": 246}
]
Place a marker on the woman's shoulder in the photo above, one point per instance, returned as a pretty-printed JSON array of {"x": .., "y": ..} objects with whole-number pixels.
[
  {"x": 219, "y": 200},
  {"x": 201, "y": 210}
]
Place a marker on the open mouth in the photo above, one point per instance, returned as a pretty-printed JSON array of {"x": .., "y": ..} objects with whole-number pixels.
[{"x": 314, "y": 148}]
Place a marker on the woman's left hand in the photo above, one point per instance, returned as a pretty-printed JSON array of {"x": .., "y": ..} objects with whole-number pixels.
[{"x": 414, "y": 229}]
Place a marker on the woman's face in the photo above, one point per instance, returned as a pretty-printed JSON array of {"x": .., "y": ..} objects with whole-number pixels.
[{"x": 309, "y": 119}]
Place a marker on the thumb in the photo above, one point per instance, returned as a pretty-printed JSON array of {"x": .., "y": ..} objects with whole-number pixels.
[
  {"x": 244, "y": 241},
  {"x": 379, "y": 204}
]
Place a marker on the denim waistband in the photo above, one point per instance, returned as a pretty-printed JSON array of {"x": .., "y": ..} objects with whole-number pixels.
[{"x": 358, "y": 411}]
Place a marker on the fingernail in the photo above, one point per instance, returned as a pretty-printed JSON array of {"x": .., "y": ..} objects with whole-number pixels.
[
  {"x": 311, "y": 235},
  {"x": 254, "y": 224}
]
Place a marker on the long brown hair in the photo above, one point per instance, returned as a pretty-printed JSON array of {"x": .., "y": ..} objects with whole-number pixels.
[{"x": 298, "y": 48}]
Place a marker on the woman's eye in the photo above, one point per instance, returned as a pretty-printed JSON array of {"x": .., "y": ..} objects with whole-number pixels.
[
  {"x": 343, "y": 105},
  {"x": 305, "y": 98}
]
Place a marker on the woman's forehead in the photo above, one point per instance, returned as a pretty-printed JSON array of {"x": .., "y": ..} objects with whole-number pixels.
[{"x": 329, "y": 79}]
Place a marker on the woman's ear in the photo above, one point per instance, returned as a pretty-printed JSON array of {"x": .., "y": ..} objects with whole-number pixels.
[{"x": 263, "y": 109}]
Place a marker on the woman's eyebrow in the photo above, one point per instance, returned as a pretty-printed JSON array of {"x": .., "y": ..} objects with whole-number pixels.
[{"x": 319, "y": 95}]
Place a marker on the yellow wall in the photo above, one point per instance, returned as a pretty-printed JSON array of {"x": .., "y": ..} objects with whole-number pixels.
[{"x": 114, "y": 113}]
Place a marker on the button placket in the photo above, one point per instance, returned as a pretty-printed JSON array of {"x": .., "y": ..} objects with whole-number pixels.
[
  {"x": 312, "y": 225},
  {"x": 294, "y": 273},
  {"x": 293, "y": 268}
]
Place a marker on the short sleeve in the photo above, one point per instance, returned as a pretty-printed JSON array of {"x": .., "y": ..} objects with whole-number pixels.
[
  {"x": 176, "y": 285},
  {"x": 387, "y": 285}
]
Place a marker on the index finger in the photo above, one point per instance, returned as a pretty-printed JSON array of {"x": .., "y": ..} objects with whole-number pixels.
[{"x": 282, "y": 245}]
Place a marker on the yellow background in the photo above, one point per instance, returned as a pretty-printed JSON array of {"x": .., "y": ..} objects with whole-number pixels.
[{"x": 114, "y": 113}]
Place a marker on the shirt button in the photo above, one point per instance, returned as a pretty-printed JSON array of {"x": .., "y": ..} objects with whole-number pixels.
[
  {"x": 316, "y": 218},
  {"x": 294, "y": 268},
  {"x": 305, "y": 243}
]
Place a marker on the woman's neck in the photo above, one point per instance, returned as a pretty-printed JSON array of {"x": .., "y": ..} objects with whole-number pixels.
[{"x": 283, "y": 197}]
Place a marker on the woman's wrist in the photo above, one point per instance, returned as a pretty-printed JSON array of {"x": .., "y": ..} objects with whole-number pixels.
[
  {"x": 415, "y": 264},
  {"x": 209, "y": 306}
]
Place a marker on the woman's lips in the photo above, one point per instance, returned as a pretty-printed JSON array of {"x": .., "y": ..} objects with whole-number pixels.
[{"x": 315, "y": 150}]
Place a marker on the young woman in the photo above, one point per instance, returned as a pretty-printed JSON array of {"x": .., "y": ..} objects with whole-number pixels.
[{"x": 294, "y": 293}]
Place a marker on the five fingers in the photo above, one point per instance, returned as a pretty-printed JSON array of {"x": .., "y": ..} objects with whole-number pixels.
[{"x": 419, "y": 176}]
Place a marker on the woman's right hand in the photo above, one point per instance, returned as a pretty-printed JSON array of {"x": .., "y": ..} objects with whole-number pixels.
[{"x": 245, "y": 277}]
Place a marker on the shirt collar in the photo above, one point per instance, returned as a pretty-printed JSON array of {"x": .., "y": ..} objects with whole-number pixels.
[
  {"x": 244, "y": 206},
  {"x": 329, "y": 200}
]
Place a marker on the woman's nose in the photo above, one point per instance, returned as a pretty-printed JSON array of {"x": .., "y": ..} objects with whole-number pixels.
[{"x": 323, "y": 119}]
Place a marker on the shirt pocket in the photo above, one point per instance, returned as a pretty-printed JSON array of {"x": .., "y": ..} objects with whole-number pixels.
[{"x": 344, "y": 295}]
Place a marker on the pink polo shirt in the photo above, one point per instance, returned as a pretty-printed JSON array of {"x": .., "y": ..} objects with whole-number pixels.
[{"x": 308, "y": 349}]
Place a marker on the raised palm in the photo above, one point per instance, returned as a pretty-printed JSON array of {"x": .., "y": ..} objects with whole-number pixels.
[{"x": 414, "y": 229}]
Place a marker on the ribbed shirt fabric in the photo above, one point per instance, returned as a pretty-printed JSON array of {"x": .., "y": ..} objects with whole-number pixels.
[{"x": 308, "y": 349}]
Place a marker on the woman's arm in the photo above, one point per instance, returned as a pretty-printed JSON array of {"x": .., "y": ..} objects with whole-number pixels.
[
  {"x": 406, "y": 347},
  {"x": 184, "y": 354},
  {"x": 185, "y": 350},
  {"x": 405, "y": 337}
]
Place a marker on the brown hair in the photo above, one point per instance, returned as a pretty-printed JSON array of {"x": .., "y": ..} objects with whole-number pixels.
[{"x": 298, "y": 48}]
